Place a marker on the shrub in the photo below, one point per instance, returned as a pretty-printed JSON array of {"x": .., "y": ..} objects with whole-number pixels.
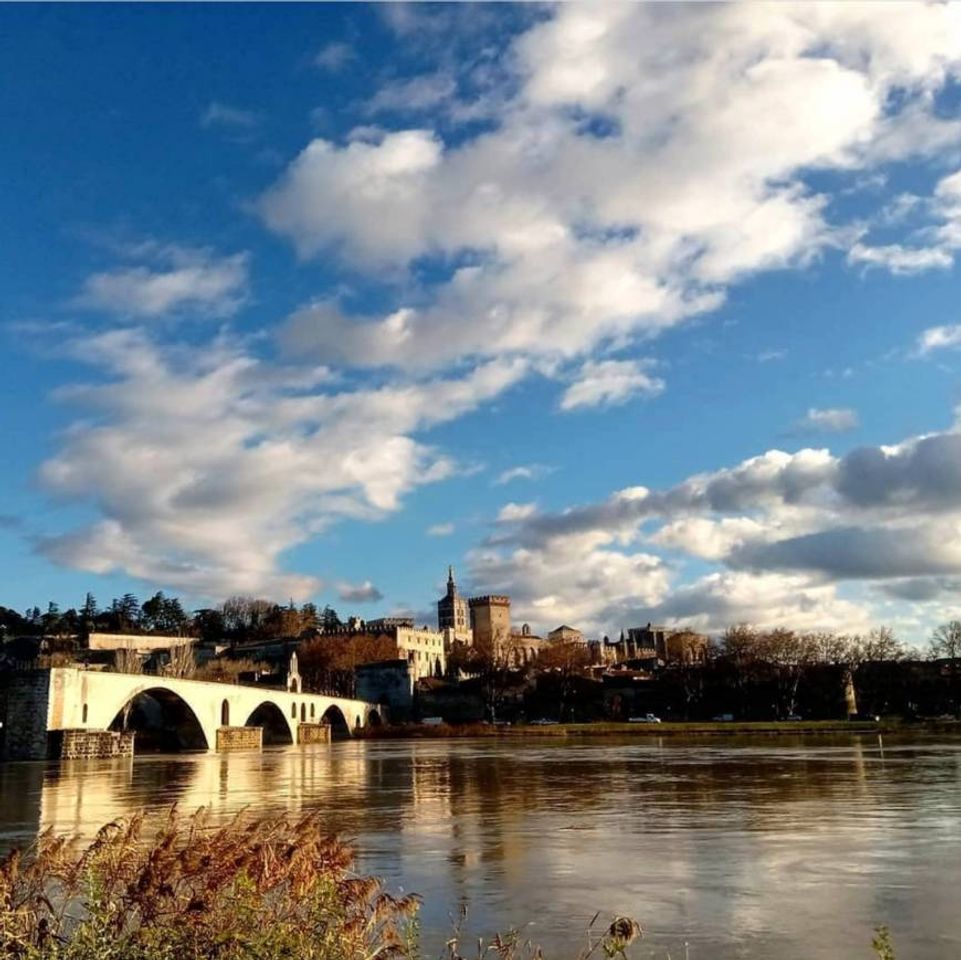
[{"x": 267, "y": 889}]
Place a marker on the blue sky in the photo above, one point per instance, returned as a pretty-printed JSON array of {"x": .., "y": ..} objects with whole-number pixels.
[{"x": 633, "y": 312}]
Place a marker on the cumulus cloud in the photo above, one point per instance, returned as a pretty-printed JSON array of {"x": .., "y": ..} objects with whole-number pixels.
[
  {"x": 622, "y": 189},
  {"x": 784, "y": 531},
  {"x": 608, "y": 383},
  {"x": 178, "y": 280},
  {"x": 640, "y": 160},
  {"x": 364, "y": 592},
  {"x": 827, "y": 420},
  {"x": 207, "y": 466}
]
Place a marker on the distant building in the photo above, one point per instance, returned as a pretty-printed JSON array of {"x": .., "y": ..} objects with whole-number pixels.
[
  {"x": 388, "y": 623},
  {"x": 565, "y": 634},
  {"x": 654, "y": 643},
  {"x": 453, "y": 612},
  {"x": 491, "y": 621},
  {"x": 423, "y": 649},
  {"x": 525, "y": 645},
  {"x": 142, "y": 643}
]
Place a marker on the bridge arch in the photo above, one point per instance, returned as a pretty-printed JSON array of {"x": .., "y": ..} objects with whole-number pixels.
[
  {"x": 374, "y": 719},
  {"x": 270, "y": 717},
  {"x": 339, "y": 727},
  {"x": 162, "y": 720}
]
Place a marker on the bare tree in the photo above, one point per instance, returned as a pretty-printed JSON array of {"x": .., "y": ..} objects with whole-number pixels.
[
  {"x": 127, "y": 660},
  {"x": 567, "y": 660},
  {"x": 182, "y": 665},
  {"x": 946, "y": 645}
]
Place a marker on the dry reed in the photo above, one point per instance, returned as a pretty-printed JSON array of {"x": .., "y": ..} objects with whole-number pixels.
[{"x": 248, "y": 889}]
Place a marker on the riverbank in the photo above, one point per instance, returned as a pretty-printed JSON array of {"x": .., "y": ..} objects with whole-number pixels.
[{"x": 443, "y": 731}]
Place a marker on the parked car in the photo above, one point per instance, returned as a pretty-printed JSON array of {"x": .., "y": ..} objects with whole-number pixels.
[
  {"x": 794, "y": 716},
  {"x": 865, "y": 717},
  {"x": 723, "y": 718},
  {"x": 647, "y": 718},
  {"x": 543, "y": 723}
]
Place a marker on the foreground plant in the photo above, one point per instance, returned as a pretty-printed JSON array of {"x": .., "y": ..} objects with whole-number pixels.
[{"x": 268, "y": 889}]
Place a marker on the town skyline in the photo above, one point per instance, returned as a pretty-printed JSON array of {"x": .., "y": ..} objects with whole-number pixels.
[{"x": 626, "y": 339}]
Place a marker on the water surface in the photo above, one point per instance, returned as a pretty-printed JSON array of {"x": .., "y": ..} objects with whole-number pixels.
[{"x": 793, "y": 849}]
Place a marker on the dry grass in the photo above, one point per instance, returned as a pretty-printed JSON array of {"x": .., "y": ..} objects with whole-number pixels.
[{"x": 249, "y": 889}]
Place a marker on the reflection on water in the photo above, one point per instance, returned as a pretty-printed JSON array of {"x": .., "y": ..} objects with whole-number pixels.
[{"x": 739, "y": 849}]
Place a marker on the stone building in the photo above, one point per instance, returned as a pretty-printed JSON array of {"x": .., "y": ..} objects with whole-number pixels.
[
  {"x": 525, "y": 645},
  {"x": 453, "y": 612},
  {"x": 565, "y": 634},
  {"x": 654, "y": 643},
  {"x": 490, "y": 618},
  {"x": 424, "y": 649}
]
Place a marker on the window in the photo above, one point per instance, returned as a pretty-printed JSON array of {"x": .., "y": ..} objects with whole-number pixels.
[
  {"x": 225, "y": 714},
  {"x": 293, "y": 711},
  {"x": 84, "y": 720}
]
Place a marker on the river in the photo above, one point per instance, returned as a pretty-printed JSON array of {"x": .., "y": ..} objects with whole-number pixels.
[{"x": 779, "y": 848}]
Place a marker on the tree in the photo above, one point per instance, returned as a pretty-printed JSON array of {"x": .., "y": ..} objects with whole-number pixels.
[
  {"x": 946, "y": 641},
  {"x": 788, "y": 655},
  {"x": 127, "y": 660},
  {"x": 327, "y": 663},
  {"x": 566, "y": 660},
  {"x": 946, "y": 645},
  {"x": 181, "y": 664},
  {"x": 126, "y": 613},
  {"x": 882, "y": 646},
  {"x": 208, "y": 624},
  {"x": 739, "y": 652},
  {"x": 88, "y": 615},
  {"x": 330, "y": 621}
]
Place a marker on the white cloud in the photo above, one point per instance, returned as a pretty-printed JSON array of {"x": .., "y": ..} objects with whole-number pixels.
[
  {"x": 828, "y": 420},
  {"x": 180, "y": 280},
  {"x": 224, "y": 115},
  {"x": 767, "y": 356},
  {"x": 939, "y": 338},
  {"x": 440, "y": 530},
  {"x": 512, "y": 512},
  {"x": 364, "y": 592},
  {"x": 900, "y": 259},
  {"x": 333, "y": 57},
  {"x": 643, "y": 159},
  {"x": 608, "y": 383},
  {"x": 529, "y": 471},
  {"x": 786, "y": 535},
  {"x": 208, "y": 465}
]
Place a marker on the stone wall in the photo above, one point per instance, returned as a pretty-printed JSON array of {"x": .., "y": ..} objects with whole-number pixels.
[
  {"x": 239, "y": 738},
  {"x": 24, "y": 706},
  {"x": 387, "y": 682},
  {"x": 313, "y": 733},
  {"x": 91, "y": 744}
]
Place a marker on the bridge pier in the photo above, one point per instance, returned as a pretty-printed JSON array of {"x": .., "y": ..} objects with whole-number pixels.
[{"x": 239, "y": 738}]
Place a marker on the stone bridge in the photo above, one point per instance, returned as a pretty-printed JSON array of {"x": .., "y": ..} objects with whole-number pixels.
[{"x": 167, "y": 714}]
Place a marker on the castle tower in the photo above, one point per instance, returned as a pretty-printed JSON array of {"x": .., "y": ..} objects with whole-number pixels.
[{"x": 452, "y": 611}]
